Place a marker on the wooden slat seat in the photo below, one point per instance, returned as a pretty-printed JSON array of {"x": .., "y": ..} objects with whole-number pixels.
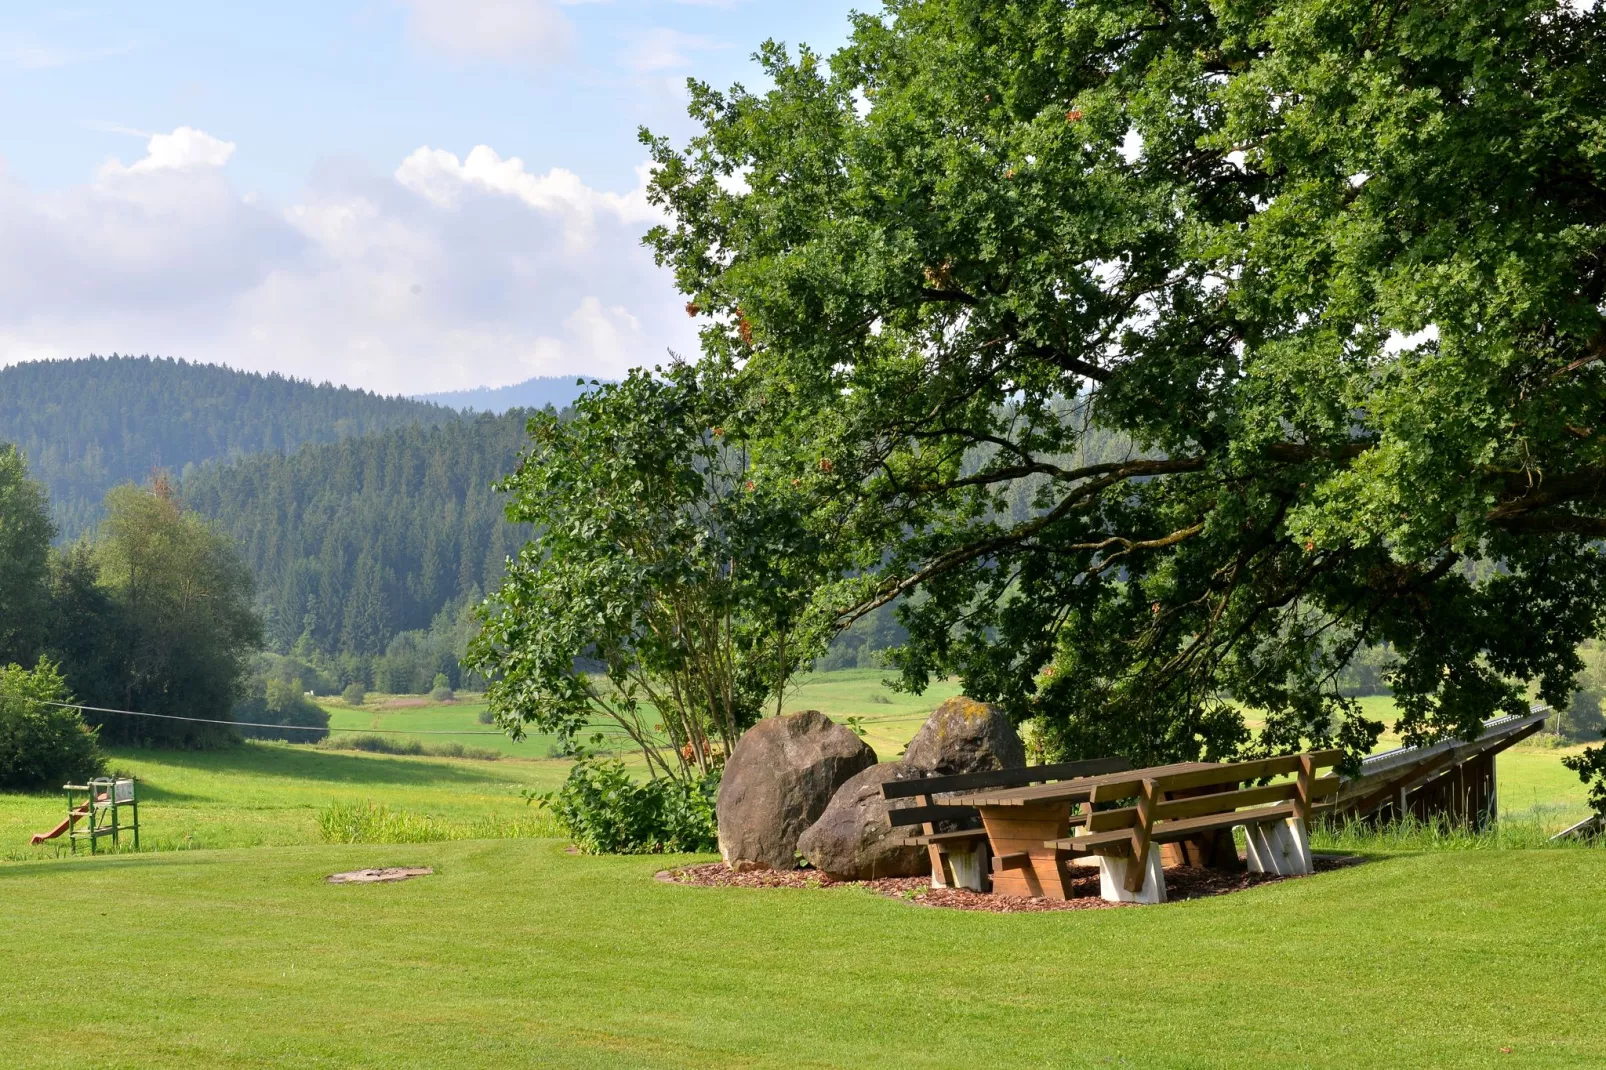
[
  {"x": 926, "y": 839},
  {"x": 963, "y": 850}
]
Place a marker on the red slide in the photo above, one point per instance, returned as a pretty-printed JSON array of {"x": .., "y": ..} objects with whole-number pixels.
[{"x": 41, "y": 837}]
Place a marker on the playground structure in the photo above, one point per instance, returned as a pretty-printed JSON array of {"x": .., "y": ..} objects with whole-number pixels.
[{"x": 105, "y": 803}]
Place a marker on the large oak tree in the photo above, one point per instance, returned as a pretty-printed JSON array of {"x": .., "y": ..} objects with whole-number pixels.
[{"x": 1283, "y": 317}]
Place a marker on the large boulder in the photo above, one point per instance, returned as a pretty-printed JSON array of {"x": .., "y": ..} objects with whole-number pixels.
[
  {"x": 854, "y": 841},
  {"x": 778, "y": 781},
  {"x": 965, "y": 736}
]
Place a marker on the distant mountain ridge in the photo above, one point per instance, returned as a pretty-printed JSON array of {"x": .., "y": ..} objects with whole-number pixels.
[
  {"x": 559, "y": 391},
  {"x": 86, "y": 425}
]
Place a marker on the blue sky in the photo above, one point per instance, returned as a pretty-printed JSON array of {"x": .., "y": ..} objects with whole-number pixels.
[{"x": 408, "y": 195}]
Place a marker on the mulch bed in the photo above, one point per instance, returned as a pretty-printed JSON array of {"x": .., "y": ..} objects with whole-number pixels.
[{"x": 1182, "y": 882}]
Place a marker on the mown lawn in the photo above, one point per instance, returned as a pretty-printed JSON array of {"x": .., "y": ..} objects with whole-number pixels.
[{"x": 516, "y": 954}]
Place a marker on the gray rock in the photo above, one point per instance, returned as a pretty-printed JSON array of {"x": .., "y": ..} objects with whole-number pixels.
[
  {"x": 854, "y": 841},
  {"x": 778, "y": 781},
  {"x": 965, "y": 736}
]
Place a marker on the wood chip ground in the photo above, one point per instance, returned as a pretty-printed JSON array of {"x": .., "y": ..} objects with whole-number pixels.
[{"x": 1182, "y": 882}]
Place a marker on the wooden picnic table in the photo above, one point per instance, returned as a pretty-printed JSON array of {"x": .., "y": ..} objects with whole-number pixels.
[
  {"x": 1021, "y": 822},
  {"x": 1029, "y": 828}
]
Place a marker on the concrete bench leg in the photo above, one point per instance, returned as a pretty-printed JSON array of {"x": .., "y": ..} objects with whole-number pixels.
[
  {"x": 1112, "y": 879},
  {"x": 969, "y": 867},
  {"x": 1299, "y": 844},
  {"x": 1281, "y": 847},
  {"x": 1262, "y": 856}
]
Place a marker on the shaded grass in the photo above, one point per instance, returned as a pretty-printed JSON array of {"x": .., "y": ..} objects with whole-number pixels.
[{"x": 516, "y": 954}]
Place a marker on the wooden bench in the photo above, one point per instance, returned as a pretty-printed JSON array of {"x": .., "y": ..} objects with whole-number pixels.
[
  {"x": 1275, "y": 818},
  {"x": 959, "y": 857}
]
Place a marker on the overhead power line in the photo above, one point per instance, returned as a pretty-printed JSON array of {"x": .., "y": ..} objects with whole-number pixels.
[{"x": 292, "y": 727}]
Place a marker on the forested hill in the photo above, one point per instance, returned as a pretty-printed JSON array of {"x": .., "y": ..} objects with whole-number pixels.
[
  {"x": 559, "y": 391},
  {"x": 356, "y": 541},
  {"x": 87, "y": 425}
]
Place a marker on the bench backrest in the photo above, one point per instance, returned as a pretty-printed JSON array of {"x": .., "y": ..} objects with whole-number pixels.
[
  {"x": 1306, "y": 790},
  {"x": 924, "y": 787}
]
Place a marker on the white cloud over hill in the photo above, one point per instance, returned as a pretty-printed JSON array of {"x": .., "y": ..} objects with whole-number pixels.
[{"x": 448, "y": 273}]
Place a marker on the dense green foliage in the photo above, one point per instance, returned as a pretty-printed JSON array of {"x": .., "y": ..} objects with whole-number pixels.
[
  {"x": 154, "y": 615},
  {"x": 355, "y": 542},
  {"x": 88, "y": 425},
  {"x": 606, "y": 811},
  {"x": 181, "y": 621},
  {"x": 25, "y": 533},
  {"x": 275, "y": 700},
  {"x": 1334, "y": 271},
  {"x": 666, "y": 592},
  {"x": 42, "y": 745}
]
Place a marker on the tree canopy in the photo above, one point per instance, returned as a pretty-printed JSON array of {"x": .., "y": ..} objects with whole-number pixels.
[
  {"x": 25, "y": 534},
  {"x": 667, "y": 591},
  {"x": 1328, "y": 273},
  {"x": 185, "y": 628}
]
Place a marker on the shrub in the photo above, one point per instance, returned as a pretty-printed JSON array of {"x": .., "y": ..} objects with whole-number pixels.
[
  {"x": 441, "y": 689},
  {"x": 606, "y": 812},
  {"x": 353, "y": 695},
  {"x": 281, "y": 702},
  {"x": 485, "y": 716},
  {"x": 42, "y": 746},
  {"x": 377, "y": 744}
]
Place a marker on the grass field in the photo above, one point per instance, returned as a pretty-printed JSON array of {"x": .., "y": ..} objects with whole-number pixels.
[{"x": 516, "y": 954}]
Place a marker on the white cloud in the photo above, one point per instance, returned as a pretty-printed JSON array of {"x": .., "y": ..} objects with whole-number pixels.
[
  {"x": 184, "y": 148},
  {"x": 447, "y": 273},
  {"x": 530, "y": 32},
  {"x": 663, "y": 49}
]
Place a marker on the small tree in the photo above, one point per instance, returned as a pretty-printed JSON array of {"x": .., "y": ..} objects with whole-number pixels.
[
  {"x": 668, "y": 591},
  {"x": 42, "y": 743},
  {"x": 182, "y": 597}
]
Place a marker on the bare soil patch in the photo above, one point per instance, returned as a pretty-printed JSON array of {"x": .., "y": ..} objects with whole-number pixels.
[
  {"x": 379, "y": 876},
  {"x": 406, "y": 703},
  {"x": 1182, "y": 882}
]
